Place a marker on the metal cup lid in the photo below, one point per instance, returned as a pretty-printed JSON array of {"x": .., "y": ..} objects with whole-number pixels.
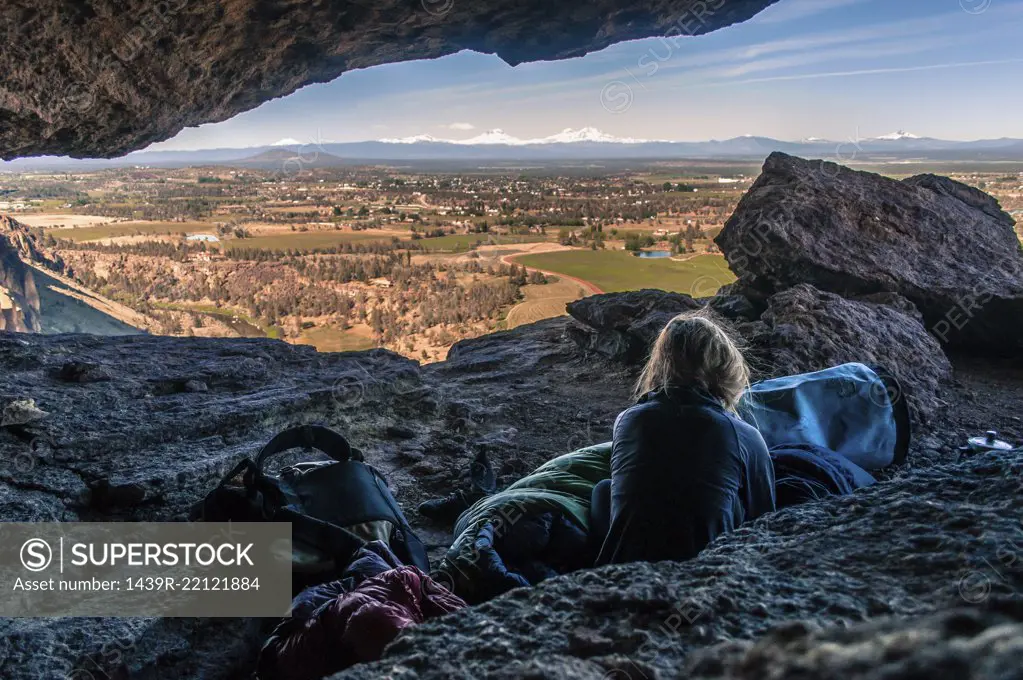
[{"x": 989, "y": 442}]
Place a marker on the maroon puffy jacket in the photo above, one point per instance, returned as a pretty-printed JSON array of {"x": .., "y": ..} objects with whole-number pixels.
[{"x": 353, "y": 627}]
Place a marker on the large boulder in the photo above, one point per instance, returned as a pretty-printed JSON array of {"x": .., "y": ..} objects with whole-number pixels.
[
  {"x": 805, "y": 329},
  {"x": 947, "y": 247},
  {"x": 622, "y": 326}
]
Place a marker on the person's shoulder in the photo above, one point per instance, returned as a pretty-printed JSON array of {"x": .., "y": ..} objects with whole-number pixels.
[
  {"x": 647, "y": 410},
  {"x": 747, "y": 433}
]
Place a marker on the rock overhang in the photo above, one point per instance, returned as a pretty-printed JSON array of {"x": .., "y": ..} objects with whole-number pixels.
[{"x": 102, "y": 78}]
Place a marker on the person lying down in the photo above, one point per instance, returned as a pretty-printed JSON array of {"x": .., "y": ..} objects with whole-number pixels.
[
  {"x": 685, "y": 468},
  {"x": 699, "y": 453}
]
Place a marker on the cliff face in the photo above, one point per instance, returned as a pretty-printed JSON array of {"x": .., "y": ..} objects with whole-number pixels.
[
  {"x": 35, "y": 298},
  {"x": 19, "y": 299},
  {"x": 100, "y": 78}
]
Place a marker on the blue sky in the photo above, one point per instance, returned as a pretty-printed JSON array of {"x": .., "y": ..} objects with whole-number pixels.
[{"x": 837, "y": 69}]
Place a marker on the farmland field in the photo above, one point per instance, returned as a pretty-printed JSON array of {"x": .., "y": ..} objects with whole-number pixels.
[
  {"x": 617, "y": 270},
  {"x": 115, "y": 229},
  {"x": 332, "y": 339},
  {"x": 308, "y": 240},
  {"x": 463, "y": 242},
  {"x": 543, "y": 301}
]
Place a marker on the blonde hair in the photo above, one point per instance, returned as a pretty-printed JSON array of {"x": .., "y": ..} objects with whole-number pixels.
[{"x": 695, "y": 350}]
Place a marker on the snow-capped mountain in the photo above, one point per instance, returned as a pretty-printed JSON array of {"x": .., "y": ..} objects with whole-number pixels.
[
  {"x": 429, "y": 139},
  {"x": 896, "y": 136},
  {"x": 584, "y": 144},
  {"x": 498, "y": 136}
]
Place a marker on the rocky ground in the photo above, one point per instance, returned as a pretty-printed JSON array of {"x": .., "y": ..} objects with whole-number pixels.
[{"x": 141, "y": 427}]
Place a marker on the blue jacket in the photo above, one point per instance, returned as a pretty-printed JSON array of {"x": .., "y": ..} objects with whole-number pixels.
[{"x": 683, "y": 471}]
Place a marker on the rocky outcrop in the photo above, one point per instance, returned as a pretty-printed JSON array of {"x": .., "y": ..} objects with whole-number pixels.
[
  {"x": 946, "y": 247},
  {"x": 802, "y": 330},
  {"x": 19, "y": 299},
  {"x": 622, "y": 326},
  {"x": 941, "y": 538},
  {"x": 140, "y": 427},
  {"x": 805, "y": 329},
  {"x": 100, "y": 78}
]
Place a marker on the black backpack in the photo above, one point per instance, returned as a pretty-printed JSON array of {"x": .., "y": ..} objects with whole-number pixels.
[{"x": 334, "y": 507}]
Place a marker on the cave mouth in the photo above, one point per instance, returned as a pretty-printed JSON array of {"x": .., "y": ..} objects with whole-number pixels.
[{"x": 870, "y": 255}]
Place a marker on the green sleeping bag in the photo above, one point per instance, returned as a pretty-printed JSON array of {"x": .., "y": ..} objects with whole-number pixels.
[{"x": 563, "y": 485}]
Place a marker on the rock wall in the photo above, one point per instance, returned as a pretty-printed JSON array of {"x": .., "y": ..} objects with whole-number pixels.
[
  {"x": 40, "y": 300},
  {"x": 100, "y": 78},
  {"x": 19, "y": 299}
]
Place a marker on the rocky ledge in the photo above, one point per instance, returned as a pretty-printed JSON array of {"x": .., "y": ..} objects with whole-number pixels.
[
  {"x": 938, "y": 539},
  {"x": 138, "y": 428}
]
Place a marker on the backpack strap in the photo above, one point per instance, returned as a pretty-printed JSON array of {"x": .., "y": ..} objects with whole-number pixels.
[
  {"x": 317, "y": 437},
  {"x": 343, "y": 543}
]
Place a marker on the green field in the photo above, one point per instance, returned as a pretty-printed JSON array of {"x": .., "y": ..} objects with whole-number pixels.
[
  {"x": 330, "y": 339},
  {"x": 115, "y": 229},
  {"x": 306, "y": 240},
  {"x": 464, "y": 242},
  {"x": 617, "y": 270}
]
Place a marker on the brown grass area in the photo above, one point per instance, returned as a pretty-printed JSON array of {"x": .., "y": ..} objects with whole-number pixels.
[
  {"x": 544, "y": 301},
  {"x": 333, "y": 339}
]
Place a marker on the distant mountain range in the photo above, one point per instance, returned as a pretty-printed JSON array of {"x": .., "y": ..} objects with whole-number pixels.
[{"x": 584, "y": 144}]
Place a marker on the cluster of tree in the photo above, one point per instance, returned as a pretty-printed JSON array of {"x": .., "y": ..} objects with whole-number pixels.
[
  {"x": 636, "y": 241},
  {"x": 297, "y": 287}
]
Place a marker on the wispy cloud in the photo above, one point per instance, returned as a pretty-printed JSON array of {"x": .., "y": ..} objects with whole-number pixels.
[
  {"x": 850, "y": 54},
  {"x": 877, "y": 71},
  {"x": 460, "y": 126}
]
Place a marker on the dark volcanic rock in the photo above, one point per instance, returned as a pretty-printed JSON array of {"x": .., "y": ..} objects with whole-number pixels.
[
  {"x": 99, "y": 78},
  {"x": 960, "y": 643},
  {"x": 947, "y": 247},
  {"x": 138, "y": 445},
  {"x": 622, "y": 326},
  {"x": 802, "y": 330},
  {"x": 805, "y": 329},
  {"x": 129, "y": 435},
  {"x": 940, "y": 538}
]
